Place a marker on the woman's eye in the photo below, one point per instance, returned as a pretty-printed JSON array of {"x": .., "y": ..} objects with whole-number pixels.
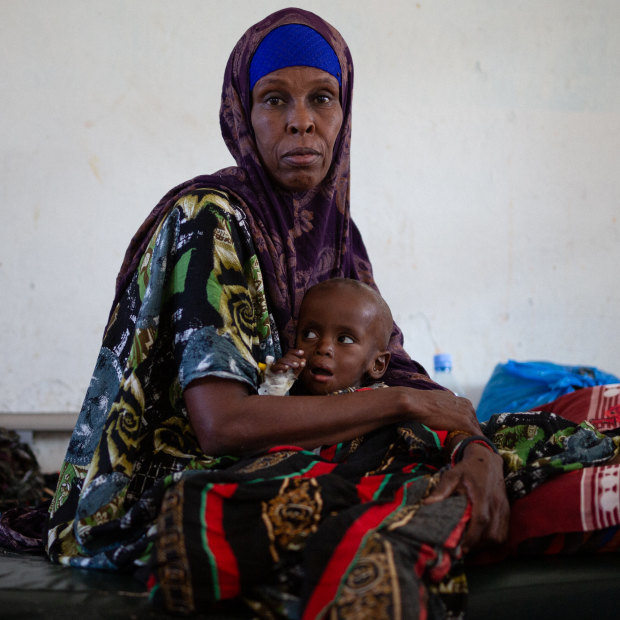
[
  {"x": 346, "y": 339},
  {"x": 273, "y": 100}
]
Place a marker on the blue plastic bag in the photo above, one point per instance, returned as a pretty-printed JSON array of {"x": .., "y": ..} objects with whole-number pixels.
[{"x": 522, "y": 386}]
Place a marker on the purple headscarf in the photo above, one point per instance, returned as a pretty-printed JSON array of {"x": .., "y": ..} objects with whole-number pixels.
[{"x": 300, "y": 238}]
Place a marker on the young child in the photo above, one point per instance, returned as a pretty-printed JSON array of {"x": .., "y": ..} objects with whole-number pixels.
[{"x": 343, "y": 332}]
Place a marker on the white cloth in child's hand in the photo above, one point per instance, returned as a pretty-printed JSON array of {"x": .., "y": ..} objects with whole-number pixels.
[{"x": 276, "y": 383}]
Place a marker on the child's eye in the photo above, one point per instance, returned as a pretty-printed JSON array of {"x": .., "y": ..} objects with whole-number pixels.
[
  {"x": 345, "y": 339},
  {"x": 310, "y": 334}
]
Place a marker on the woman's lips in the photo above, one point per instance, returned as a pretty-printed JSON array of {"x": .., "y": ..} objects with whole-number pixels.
[{"x": 301, "y": 157}]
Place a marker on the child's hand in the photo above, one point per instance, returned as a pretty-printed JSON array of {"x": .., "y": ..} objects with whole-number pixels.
[{"x": 293, "y": 360}]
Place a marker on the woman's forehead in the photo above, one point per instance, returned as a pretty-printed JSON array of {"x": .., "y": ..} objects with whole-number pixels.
[{"x": 310, "y": 76}]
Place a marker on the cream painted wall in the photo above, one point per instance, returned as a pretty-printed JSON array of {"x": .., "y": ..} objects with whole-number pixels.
[{"x": 485, "y": 169}]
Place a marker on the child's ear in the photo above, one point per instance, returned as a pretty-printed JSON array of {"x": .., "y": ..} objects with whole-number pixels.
[{"x": 379, "y": 366}]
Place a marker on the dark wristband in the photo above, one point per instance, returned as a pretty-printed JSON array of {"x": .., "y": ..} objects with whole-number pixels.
[{"x": 457, "y": 453}]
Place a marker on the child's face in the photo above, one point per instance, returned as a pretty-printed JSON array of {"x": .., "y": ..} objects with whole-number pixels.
[{"x": 339, "y": 330}]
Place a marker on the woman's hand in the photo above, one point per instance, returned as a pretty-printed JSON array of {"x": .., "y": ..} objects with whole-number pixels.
[
  {"x": 479, "y": 476},
  {"x": 440, "y": 410}
]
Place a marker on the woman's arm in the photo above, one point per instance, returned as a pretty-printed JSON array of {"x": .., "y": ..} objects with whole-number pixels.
[{"x": 228, "y": 419}]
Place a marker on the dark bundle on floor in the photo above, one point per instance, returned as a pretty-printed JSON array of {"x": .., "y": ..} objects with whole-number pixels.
[{"x": 24, "y": 495}]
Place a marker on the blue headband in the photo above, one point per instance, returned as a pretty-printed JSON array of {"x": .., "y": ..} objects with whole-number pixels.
[{"x": 293, "y": 45}]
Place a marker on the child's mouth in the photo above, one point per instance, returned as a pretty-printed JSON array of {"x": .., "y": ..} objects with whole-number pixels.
[{"x": 321, "y": 372}]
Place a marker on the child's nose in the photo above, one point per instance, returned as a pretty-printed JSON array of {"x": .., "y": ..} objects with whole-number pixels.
[{"x": 325, "y": 347}]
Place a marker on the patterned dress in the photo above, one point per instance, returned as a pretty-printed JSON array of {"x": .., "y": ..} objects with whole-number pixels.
[
  {"x": 195, "y": 307},
  {"x": 342, "y": 532}
]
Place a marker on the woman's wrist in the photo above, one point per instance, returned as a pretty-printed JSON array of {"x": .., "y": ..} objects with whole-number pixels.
[
  {"x": 453, "y": 438},
  {"x": 458, "y": 452}
]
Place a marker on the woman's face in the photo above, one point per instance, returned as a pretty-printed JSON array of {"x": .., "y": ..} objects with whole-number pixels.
[{"x": 296, "y": 116}]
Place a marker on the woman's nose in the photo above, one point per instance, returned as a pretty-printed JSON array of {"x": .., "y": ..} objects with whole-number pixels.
[{"x": 300, "y": 119}]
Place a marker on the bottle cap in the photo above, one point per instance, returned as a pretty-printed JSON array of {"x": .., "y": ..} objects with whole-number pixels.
[{"x": 442, "y": 360}]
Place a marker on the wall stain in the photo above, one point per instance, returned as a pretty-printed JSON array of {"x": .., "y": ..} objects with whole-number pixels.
[{"x": 93, "y": 162}]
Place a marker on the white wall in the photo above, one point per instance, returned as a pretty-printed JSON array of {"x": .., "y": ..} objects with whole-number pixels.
[{"x": 485, "y": 169}]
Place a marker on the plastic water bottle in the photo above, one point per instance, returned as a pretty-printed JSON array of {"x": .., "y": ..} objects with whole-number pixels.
[{"x": 443, "y": 373}]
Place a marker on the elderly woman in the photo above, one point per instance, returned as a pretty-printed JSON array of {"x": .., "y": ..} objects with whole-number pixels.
[{"x": 210, "y": 286}]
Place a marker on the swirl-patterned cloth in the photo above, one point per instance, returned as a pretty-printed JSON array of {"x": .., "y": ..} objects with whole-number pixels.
[{"x": 195, "y": 307}]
